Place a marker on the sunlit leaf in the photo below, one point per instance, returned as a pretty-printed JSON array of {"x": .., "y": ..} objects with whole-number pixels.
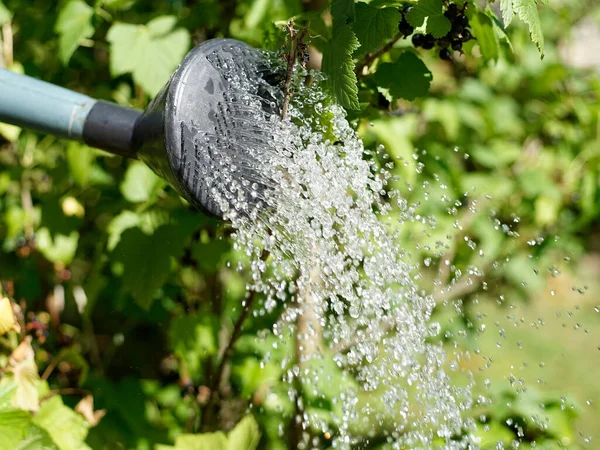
[
  {"x": 140, "y": 183},
  {"x": 407, "y": 77},
  {"x": 74, "y": 24},
  {"x": 528, "y": 13},
  {"x": 374, "y": 26},
  {"x": 339, "y": 66},
  {"x": 149, "y": 52},
  {"x": 7, "y": 316},
  {"x": 67, "y": 429},
  {"x": 245, "y": 435}
]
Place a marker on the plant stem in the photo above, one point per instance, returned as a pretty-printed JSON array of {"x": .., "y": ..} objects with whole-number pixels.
[
  {"x": 291, "y": 59},
  {"x": 372, "y": 56}
]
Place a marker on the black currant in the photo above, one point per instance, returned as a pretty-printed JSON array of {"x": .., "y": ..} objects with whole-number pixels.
[
  {"x": 463, "y": 21},
  {"x": 405, "y": 28},
  {"x": 418, "y": 40},
  {"x": 445, "y": 54},
  {"x": 457, "y": 45},
  {"x": 428, "y": 42},
  {"x": 452, "y": 11},
  {"x": 456, "y": 31},
  {"x": 466, "y": 35},
  {"x": 443, "y": 42},
  {"x": 406, "y": 9}
]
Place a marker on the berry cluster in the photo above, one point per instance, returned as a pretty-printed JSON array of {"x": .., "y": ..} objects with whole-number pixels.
[{"x": 458, "y": 34}]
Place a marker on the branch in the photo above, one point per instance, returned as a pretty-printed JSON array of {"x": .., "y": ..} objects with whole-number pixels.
[
  {"x": 372, "y": 56},
  {"x": 235, "y": 335}
]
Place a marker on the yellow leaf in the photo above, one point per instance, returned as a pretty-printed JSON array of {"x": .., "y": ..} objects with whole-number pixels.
[
  {"x": 7, "y": 317},
  {"x": 85, "y": 407}
]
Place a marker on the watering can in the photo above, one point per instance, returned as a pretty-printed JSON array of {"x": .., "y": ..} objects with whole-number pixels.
[{"x": 194, "y": 102}]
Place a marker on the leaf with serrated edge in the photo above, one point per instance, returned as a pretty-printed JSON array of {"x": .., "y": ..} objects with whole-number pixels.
[
  {"x": 74, "y": 24},
  {"x": 506, "y": 6},
  {"x": 342, "y": 12},
  {"x": 487, "y": 39},
  {"x": 374, "y": 26},
  {"x": 339, "y": 66},
  {"x": 150, "y": 53},
  {"x": 438, "y": 26},
  {"x": 408, "y": 77},
  {"x": 528, "y": 13},
  {"x": 425, "y": 8}
]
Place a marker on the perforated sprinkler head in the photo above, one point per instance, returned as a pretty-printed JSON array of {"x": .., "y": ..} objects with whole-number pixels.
[{"x": 193, "y": 133}]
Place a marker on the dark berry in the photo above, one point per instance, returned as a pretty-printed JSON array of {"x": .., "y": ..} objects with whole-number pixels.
[
  {"x": 466, "y": 35},
  {"x": 445, "y": 54},
  {"x": 443, "y": 42},
  {"x": 456, "y": 31},
  {"x": 406, "y": 9},
  {"x": 452, "y": 11},
  {"x": 428, "y": 42},
  {"x": 405, "y": 28},
  {"x": 418, "y": 40},
  {"x": 457, "y": 45},
  {"x": 463, "y": 21}
]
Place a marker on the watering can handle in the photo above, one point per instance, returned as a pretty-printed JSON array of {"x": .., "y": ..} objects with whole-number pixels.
[{"x": 40, "y": 106}]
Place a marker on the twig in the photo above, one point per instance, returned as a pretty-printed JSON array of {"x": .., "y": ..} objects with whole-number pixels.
[
  {"x": 65, "y": 391},
  {"x": 297, "y": 49},
  {"x": 372, "y": 56},
  {"x": 235, "y": 335}
]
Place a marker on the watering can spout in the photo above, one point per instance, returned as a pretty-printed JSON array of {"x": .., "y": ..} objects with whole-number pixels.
[{"x": 188, "y": 127}]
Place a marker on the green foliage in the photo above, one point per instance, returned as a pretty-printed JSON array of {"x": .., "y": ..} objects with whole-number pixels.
[
  {"x": 74, "y": 23},
  {"x": 437, "y": 24},
  {"x": 131, "y": 296},
  {"x": 414, "y": 74},
  {"x": 374, "y": 26},
  {"x": 339, "y": 66},
  {"x": 149, "y": 52}
]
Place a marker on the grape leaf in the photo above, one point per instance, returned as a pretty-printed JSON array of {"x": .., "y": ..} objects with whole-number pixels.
[
  {"x": 74, "y": 24},
  {"x": 483, "y": 30},
  {"x": 528, "y": 13},
  {"x": 342, "y": 12},
  {"x": 506, "y": 6},
  {"x": 374, "y": 26},
  {"x": 408, "y": 77},
  {"x": 150, "y": 53},
  {"x": 339, "y": 66}
]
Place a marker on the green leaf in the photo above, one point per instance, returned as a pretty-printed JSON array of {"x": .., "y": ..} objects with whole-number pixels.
[
  {"x": 194, "y": 338},
  {"x": 150, "y": 53},
  {"x": 57, "y": 248},
  {"x": 339, "y": 66},
  {"x": 36, "y": 438},
  {"x": 140, "y": 183},
  {"x": 81, "y": 159},
  {"x": 5, "y": 14},
  {"x": 147, "y": 259},
  {"x": 245, "y": 435},
  {"x": 204, "y": 441},
  {"x": 374, "y": 26},
  {"x": 408, "y": 77},
  {"x": 13, "y": 427},
  {"x": 209, "y": 254},
  {"x": 438, "y": 25},
  {"x": 528, "y": 13},
  {"x": 506, "y": 7},
  {"x": 483, "y": 30},
  {"x": 342, "y": 12},
  {"x": 67, "y": 429},
  {"x": 74, "y": 24}
]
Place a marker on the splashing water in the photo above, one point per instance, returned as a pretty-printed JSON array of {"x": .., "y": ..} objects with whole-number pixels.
[{"x": 306, "y": 192}]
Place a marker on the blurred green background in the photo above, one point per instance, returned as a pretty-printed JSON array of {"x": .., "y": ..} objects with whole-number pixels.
[{"x": 130, "y": 296}]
